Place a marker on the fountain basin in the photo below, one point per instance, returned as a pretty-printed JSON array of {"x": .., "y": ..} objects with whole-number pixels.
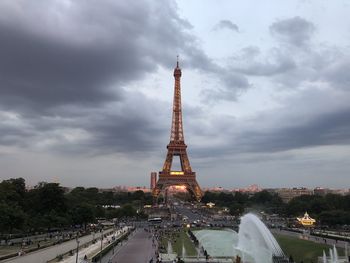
[{"x": 254, "y": 243}]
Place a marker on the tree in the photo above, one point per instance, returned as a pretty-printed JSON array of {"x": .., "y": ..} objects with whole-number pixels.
[
  {"x": 335, "y": 217},
  {"x": 46, "y": 205},
  {"x": 99, "y": 212},
  {"x": 12, "y": 191},
  {"x": 241, "y": 198},
  {"x": 236, "y": 209},
  {"x": 82, "y": 214},
  {"x": 128, "y": 211},
  {"x": 11, "y": 217},
  {"x": 264, "y": 197},
  {"x": 47, "y": 197},
  {"x": 106, "y": 198}
]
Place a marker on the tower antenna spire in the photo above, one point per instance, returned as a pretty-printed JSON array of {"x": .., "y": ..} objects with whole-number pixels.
[{"x": 177, "y": 61}]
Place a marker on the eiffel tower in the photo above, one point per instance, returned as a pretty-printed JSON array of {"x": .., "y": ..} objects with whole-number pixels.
[{"x": 177, "y": 147}]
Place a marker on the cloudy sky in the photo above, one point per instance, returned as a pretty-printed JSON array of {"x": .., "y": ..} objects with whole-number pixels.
[{"x": 86, "y": 90}]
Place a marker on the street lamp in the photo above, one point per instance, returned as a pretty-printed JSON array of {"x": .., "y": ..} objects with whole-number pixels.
[
  {"x": 101, "y": 245},
  {"x": 115, "y": 234},
  {"x": 76, "y": 259},
  {"x": 113, "y": 240}
]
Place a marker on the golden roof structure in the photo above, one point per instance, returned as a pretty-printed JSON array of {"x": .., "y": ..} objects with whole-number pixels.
[{"x": 306, "y": 220}]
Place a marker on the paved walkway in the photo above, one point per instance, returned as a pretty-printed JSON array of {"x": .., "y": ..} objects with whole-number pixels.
[
  {"x": 138, "y": 249},
  {"x": 92, "y": 249},
  {"x": 46, "y": 254}
]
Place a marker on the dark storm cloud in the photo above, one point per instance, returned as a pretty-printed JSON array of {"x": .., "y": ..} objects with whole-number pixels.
[
  {"x": 137, "y": 126},
  {"x": 44, "y": 73},
  {"x": 63, "y": 72},
  {"x": 90, "y": 50},
  {"x": 226, "y": 24},
  {"x": 83, "y": 53},
  {"x": 122, "y": 128},
  {"x": 14, "y": 136},
  {"x": 230, "y": 82},
  {"x": 295, "y": 31},
  {"x": 70, "y": 78},
  {"x": 327, "y": 129},
  {"x": 237, "y": 138},
  {"x": 125, "y": 134}
]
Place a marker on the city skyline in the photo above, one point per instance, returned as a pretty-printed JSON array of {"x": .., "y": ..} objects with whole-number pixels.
[{"x": 87, "y": 87}]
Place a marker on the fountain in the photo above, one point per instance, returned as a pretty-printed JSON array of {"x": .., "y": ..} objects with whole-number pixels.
[
  {"x": 169, "y": 248},
  {"x": 217, "y": 243},
  {"x": 253, "y": 243},
  {"x": 324, "y": 258},
  {"x": 169, "y": 256},
  {"x": 346, "y": 250},
  {"x": 183, "y": 250},
  {"x": 333, "y": 256},
  {"x": 255, "y": 239}
]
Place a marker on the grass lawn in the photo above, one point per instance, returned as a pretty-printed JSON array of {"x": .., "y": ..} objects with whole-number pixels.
[
  {"x": 180, "y": 240},
  {"x": 6, "y": 250},
  {"x": 302, "y": 250}
]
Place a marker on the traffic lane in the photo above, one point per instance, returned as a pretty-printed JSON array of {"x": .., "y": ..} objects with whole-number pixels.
[
  {"x": 188, "y": 213},
  {"x": 198, "y": 215}
]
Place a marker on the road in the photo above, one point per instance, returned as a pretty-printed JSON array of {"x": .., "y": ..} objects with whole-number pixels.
[
  {"x": 46, "y": 254},
  {"x": 138, "y": 249},
  {"x": 194, "y": 214}
]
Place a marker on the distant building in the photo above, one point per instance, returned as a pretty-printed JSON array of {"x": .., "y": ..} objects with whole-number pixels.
[
  {"x": 323, "y": 191},
  {"x": 215, "y": 189},
  {"x": 288, "y": 194},
  {"x": 120, "y": 188},
  {"x": 138, "y": 188},
  {"x": 153, "y": 180},
  {"x": 251, "y": 189}
]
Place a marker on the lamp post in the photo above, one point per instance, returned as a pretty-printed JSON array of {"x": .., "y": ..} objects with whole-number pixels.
[
  {"x": 113, "y": 239},
  {"x": 113, "y": 242},
  {"x": 76, "y": 258},
  {"x": 101, "y": 245}
]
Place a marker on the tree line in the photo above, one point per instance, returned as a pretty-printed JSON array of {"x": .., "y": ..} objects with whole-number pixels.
[
  {"x": 330, "y": 209},
  {"x": 47, "y": 206}
]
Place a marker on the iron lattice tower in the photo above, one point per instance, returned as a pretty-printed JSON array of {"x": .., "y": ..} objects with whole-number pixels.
[{"x": 177, "y": 147}]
